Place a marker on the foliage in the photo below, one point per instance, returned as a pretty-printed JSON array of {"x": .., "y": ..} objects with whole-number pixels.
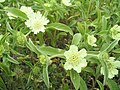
[{"x": 33, "y": 44}]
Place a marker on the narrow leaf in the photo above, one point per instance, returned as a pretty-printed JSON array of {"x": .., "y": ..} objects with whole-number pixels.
[
  {"x": 83, "y": 85},
  {"x": 60, "y": 27},
  {"x": 113, "y": 85},
  {"x": 17, "y": 12},
  {"x": 12, "y": 60},
  {"x": 75, "y": 78},
  {"x": 45, "y": 73},
  {"x": 100, "y": 85},
  {"x": 2, "y": 84},
  {"x": 76, "y": 38},
  {"x": 32, "y": 47},
  {"x": 111, "y": 46},
  {"x": 50, "y": 50}
]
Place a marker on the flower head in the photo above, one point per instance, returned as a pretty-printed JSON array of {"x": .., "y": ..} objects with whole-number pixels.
[
  {"x": 75, "y": 59},
  {"x": 2, "y": 0},
  {"x": 112, "y": 67},
  {"x": 115, "y": 32},
  {"x": 27, "y": 10},
  {"x": 66, "y": 2},
  {"x": 91, "y": 40},
  {"x": 37, "y": 22}
]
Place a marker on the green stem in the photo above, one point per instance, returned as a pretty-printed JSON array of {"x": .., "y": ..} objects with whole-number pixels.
[
  {"x": 57, "y": 55},
  {"x": 92, "y": 55}
]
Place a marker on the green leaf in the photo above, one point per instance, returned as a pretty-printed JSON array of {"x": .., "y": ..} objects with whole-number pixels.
[
  {"x": 4, "y": 38},
  {"x": 60, "y": 27},
  {"x": 83, "y": 85},
  {"x": 113, "y": 85},
  {"x": 104, "y": 23},
  {"x": 103, "y": 63},
  {"x": 76, "y": 38},
  {"x": 111, "y": 46},
  {"x": 17, "y": 12},
  {"x": 48, "y": 50},
  {"x": 2, "y": 84},
  {"x": 116, "y": 50},
  {"x": 75, "y": 78},
  {"x": 12, "y": 60},
  {"x": 5, "y": 68},
  {"x": 32, "y": 47},
  {"x": 80, "y": 28},
  {"x": 45, "y": 73},
  {"x": 100, "y": 85},
  {"x": 90, "y": 70}
]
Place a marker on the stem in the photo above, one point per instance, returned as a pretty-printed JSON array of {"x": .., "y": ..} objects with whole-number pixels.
[
  {"x": 57, "y": 55},
  {"x": 92, "y": 55},
  {"x": 28, "y": 33}
]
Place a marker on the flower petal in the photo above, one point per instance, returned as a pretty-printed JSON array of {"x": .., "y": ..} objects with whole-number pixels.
[
  {"x": 83, "y": 63},
  {"x": 117, "y": 64},
  {"x": 83, "y": 53},
  {"x": 68, "y": 66},
  {"x": 77, "y": 68},
  {"x": 73, "y": 48}
]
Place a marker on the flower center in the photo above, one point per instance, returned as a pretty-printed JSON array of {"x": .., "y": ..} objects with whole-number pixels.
[
  {"x": 74, "y": 59},
  {"x": 37, "y": 25}
]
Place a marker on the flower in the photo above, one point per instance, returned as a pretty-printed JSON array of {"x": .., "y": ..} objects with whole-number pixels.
[
  {"x": 37, "y": 22},
  {"x": 2, "y": 0},
  {"x": 115, "y": 32},
  {"x": 75, "y": 59},
  {"x": 66, "y": 2},
  {"x": 27, "y": 10},
  {"x": 112, "y": 67},
  {"x": 91, "y": 40}
]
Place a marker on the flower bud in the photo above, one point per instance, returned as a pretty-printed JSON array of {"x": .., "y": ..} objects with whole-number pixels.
[
  {"x": 21, "y": 38},
  {"x": 42, "y": 59}
]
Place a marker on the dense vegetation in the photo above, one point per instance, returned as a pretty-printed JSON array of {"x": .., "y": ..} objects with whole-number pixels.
[{"x": 59, "y": 44}]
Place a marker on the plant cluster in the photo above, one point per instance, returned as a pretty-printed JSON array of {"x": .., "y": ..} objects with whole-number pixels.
[{"x": 59, "y": 44}]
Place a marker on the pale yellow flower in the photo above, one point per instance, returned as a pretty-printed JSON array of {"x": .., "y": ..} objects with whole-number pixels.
[
  {"x": 112, "y": 66},
  {"x": 2, "y": 0},
  {"x": 66, "y": 2},
  {"x": 115, "y": 32},
  {"x": 91, "y": 40},
  {"x": 75, "y": 59},
  {"x": 37, "y": 23}
]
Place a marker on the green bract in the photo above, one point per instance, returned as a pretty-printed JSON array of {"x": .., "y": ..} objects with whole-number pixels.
[
  {"x": 21, "y": 38},
  {"x": 42, "y": 59},
  {"x": 112, "y": 67},
  {"x": 75, "y": 59},
  {"x": 115, "y": 32}
]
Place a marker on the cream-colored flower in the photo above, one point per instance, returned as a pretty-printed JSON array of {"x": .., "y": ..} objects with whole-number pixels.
[
  {"x": 75, "y": 59},
  {"x": 91, "y": 40},
  {"x": 27, "y": 10},
  {"x": 11, "y": 16},
  {"x": 115, "y": 32},
  {"x": 37, "y": 22},
  {"x": 2, "y": 0},
  {"x": 112, "y": 67},
  {"x": 66, "y": 2}
]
